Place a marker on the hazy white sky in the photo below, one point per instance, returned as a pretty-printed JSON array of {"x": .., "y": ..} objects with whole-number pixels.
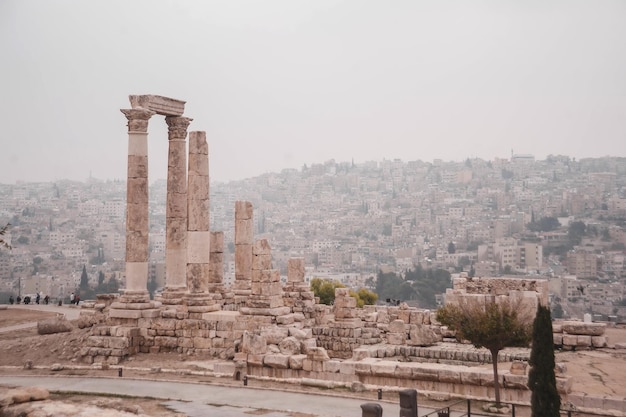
[{"x": 277, "y": 84}]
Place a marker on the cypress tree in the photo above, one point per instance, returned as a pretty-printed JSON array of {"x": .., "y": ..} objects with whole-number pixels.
[{"x": 545, "y": 400}]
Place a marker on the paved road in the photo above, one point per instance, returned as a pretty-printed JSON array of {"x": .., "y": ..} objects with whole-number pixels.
[{"x": 197, "y": 400}]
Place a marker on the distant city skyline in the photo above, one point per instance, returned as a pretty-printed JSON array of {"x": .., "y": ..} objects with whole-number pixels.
[{"x": 280, "y": 84}]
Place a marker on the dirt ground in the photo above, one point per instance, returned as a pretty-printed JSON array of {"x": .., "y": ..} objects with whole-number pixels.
[{"x": 595, "y": 372}]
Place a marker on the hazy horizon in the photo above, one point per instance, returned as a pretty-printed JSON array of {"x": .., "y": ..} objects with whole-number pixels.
[{"x": 280, "y": 84}]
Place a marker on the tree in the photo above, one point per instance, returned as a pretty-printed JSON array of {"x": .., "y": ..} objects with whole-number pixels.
[
  {"x": 3, "y": 231},
  {"x": 325, "y": 289},
  {"x": 545, "y": 400},
  {"x": 364, "y": 297},
  {"x": 84, "y": 280},
  {"x": 492, "y": 325},
  {"x": 451, "y": 247}
]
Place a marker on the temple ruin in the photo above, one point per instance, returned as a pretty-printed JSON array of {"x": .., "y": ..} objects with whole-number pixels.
[{"x": 261, "y": 328}]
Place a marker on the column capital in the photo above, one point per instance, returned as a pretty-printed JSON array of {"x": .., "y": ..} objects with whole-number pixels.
[
  {"x": 138, "y": 119},
  {"x": 177, "y": 127}
]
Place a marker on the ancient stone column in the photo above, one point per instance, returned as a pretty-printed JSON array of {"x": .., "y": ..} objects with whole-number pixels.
[
  {"x": 176, "y": 211},
  {"x": 244, "y": 231},
  {"x": 295, "y": 270},
  {"x": 198, "y": 299},
  {"x": 216, "y": 261},
  {"x": 198, "y": 234},
  {"x": 137, "y": 205}
]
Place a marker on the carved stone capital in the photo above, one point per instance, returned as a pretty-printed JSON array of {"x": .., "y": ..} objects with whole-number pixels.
[
  {"x": 177, "y": 127},
  {"x": 137, "y": 119}
]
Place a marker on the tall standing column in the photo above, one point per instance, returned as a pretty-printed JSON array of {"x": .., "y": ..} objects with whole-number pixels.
[
  {"x": 198, "y": 231},
  {"x": 176, "y": 211},
  {"x": 137, "y": 205},
  {"x": 244, "y": 232},
  {"x": 198, "y": 298}
]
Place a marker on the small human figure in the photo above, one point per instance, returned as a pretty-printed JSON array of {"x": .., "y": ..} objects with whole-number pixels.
[
  {"x": 27, "y": 299},
  {"x": 38, "y": 298},
  {"x": 11, "y": 300},
  {"x": 18, "y": 299},
  {"x": 46, "y": 299},
  {"x": 77, "y": 298},
  {"x": 72, "y": 297}
]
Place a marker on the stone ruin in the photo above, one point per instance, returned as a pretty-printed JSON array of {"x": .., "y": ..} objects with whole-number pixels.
[{"x": 261, "y": 328}]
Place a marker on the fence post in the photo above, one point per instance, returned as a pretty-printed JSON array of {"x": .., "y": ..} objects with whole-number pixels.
[
  {"x": 408, "y": 403},
  {"x": 512, "y": 410},
  {"x": 469, "y": 408},
  {"x": 371, "y": 410}
]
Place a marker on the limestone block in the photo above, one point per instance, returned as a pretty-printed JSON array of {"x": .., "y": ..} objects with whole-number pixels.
[
  {"x": 363, "y": 368},
  {"x": 614, "y": 404},
  {"x": 470, "y": 377},
  {"x": 582, "y": 328},
  {"x": 583, "y": 341},
  {"x": 447, "y": 374},
  {"x": 422, "y": 335},
  {"x": 360, "y": 354},
  {"x": 243, "y": 210},
  {"x": 425, "y": 373},
  {"x": 253, "y": 344},
  {"x": 300, "y": 333},
  {"x": 396, "y": 326},
  {"x": 261, "y": 261},
  {"x": 308, "y": 344},
  {"x": 137, "y": 193},
  {"x": 516, "y": 381},
  {"x": 217, "y": 242},
  {"x": 161, "y": 105},
  {"x": 262, "y": 247},
  {"x": 166, "y": 342},
  {"x": 317, "y": 354},
  {"x": 296, "y": 361},
  {"x": 244, "y": 232},
  {"x": 276, "y": 361},
  {"x": 201, "y": 343},
  {"x": 285, "y": 320},
  {"x": 569, "y": 339},
  {"x": 396, "y": 338},
  {"x": 137, "y": 166},
  {"x": 598, "y": 341},
  {"x": 331, "y": 366},
  {"x": 243, "y": 259},
  {"x": 137, "y": 246},
  {"x": 22, "y": 395},
  {"x": 344, "y": 302},
  {"x": 197, "y": 277},
  {"x": 592, "y": 401},
  {"x": 564, "y": 385},
  {"x": 289, "y": 346},
  {"x": 558, "y": 339},
  {"x": 176, "y": 205},
  {"x": 274, "y": 335},
  {"x": 198, "y": 215},
  {"x": 384, "y": 368},
  {"x": 518, "y": 368},
  {"x": 557, "y": 327},
  {"x": 198, "y": 165},
  {"x": 295, "y": 270},
  {"x": 255, "y": 360},
  {"x": 125, "y": 314}
]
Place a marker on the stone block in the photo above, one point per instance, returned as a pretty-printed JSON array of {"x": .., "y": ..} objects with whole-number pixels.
[
  {"x": 243, "y": 210},
  {"x": 599, "y": 341},
  {"x": 296, "y": 361},
  {"x": 125, "y": 314},
  {"x": 279, "y": 361},
  {"x": 384, "y": 368},
  {"x": 160, "y": 105},
  {"x": 583, "y": 328}
]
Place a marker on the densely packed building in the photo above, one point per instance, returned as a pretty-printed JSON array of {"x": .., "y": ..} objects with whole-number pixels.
[{"x": 349, "y": 220}]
